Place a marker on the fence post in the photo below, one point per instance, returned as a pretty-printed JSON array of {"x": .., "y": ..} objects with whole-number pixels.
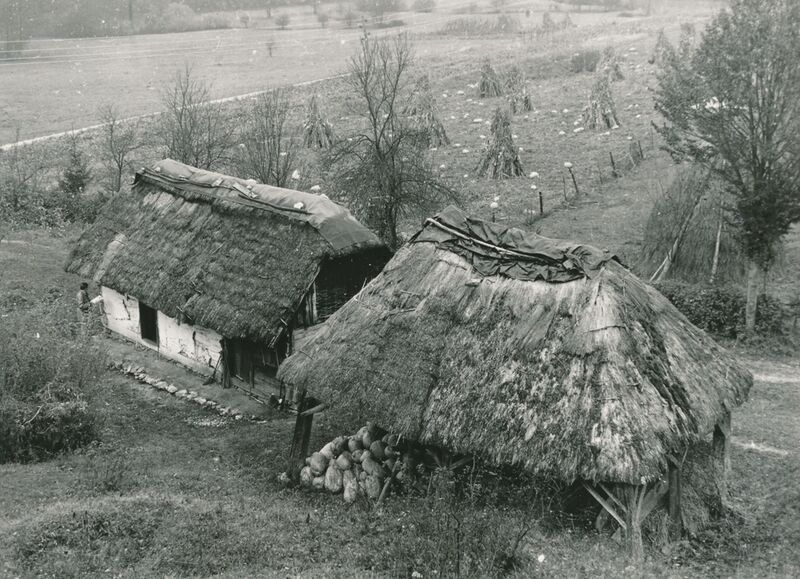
[
  {"x": 541, "y": 204},
  {"x": 301, "y": 437},
  {"x": 613, "y": 165}
]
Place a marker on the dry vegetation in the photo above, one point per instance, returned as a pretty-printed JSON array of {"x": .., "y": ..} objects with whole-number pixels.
[{"x": 162, "y": 494}]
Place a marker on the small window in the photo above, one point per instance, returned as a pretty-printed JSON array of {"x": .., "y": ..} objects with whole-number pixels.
[{"x": 148, "y": 323}]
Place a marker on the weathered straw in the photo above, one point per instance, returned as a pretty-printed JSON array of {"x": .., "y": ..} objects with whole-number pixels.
[{"x": 598, "y": 379}]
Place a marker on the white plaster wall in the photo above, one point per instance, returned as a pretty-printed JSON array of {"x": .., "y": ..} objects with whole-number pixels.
[
  {"x": 193, "y": 346},
  {"x": 122, "y": 314}
]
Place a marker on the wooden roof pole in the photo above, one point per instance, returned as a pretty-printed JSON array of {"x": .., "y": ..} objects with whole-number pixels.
[
  {"x": 674, "y": 499},
  {"x": 722, "y": 457}
]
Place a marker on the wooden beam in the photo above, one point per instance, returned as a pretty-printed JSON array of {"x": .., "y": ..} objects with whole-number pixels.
[
  {"x": 722, "y": 457},
  {"x": 674, "y": 501},
  {"x": 606, "y": 505},
  {"x": 301, "y": 436},
  {"x": 613, "y": 498},
  {"x": 314, "y": 410}
]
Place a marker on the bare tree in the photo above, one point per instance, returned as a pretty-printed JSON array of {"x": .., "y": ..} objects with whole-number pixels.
[
  {"x": 732, "y": 104},
  {"x": 382, "y": 170},
  {"x": 118, "y": 140},
  {"x": 193, "y": 129},
  {"x": 268, "y": 150}
]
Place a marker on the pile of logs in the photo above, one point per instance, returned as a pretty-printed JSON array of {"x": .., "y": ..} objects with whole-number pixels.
[{"x": 365, "y": 463}]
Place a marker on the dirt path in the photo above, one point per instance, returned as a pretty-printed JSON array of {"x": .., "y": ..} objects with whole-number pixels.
[
  {"x": 126, "y": 353},
  {"x": 774, "y": 403}
]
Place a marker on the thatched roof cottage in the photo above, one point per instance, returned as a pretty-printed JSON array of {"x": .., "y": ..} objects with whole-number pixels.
[
  {"x": 543, "y": 353},
  {"x": 220, "y": 273}
]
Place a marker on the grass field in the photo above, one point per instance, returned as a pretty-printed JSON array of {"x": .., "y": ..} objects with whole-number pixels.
[
  {"x": 169, "y": 492},
  {"x": 61, "y": 85},
  {"x": 173, "y": 490}
]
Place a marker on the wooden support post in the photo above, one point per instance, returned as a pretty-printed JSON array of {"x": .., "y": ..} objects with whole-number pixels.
[
  {"x": 613, "y": 165},
  {"x": 722, "y": 458},
  {"x": 541, "y": 204},
  {"x": 226, "y": 369},
  {"x": 634, "y": 496},
  {"x": 674, "y": 501},
  {"x": 301, "y": 437},
  {"x": 641, "y": 151},
  {"x": 574, "y": 182},
  {"x": 620, "y": 518}
]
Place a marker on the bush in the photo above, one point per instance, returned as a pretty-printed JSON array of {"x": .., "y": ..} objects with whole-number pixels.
[
  {"x": 502, "y": 24},
  {"x": 584, "y": 61},
  {"x": 468, "y": 523},
  {"x": 282, "y": 21},
  {"x": 30, "y": 432},
  {"x": 720, "y": 309},
  {"x": 46, "y": 372},
  {"x": 393, "y": 23},
  {"x": 424, "y": 5}
]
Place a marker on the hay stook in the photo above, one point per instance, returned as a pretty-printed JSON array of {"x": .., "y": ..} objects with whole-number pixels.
[
  {"x": 601, "y": 112},
  {"x": 317, "y": 131},
  {"x": 500, "y": 159},
  {"x": 422, "y": 112},
  {"x": 517, "y": 86},
  {"x": 489, "y": 86},
  {"x": 609, "y": 64}
]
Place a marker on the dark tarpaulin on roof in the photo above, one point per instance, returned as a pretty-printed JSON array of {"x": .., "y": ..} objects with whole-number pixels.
[{"x": 496, "y": 250}]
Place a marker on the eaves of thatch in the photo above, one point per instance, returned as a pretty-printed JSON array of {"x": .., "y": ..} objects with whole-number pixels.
[
  {"x": 597, "y": 377},
  {"x": 222, "y": 252}
]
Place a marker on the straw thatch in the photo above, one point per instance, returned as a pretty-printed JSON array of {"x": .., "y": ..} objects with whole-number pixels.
[
  {"x": 598, "y": 377},
  {"x": 227, "y": 254}
]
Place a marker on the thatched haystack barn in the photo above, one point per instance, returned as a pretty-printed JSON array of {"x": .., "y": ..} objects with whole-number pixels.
[
  {"x": 691, "y": 234},
  {"x": 221, "y": 274},
  {"x": 531, "y": 351}
]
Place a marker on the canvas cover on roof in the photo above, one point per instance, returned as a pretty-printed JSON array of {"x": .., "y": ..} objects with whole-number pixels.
[
  {"x": 335, "y": 223},
  {"x": 493, "y": 249}
]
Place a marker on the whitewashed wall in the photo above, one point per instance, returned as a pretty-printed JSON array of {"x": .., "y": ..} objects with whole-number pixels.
[{"x": 193, "y": 346}]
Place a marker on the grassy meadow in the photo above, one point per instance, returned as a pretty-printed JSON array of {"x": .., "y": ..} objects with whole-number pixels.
[
  {"x": 60, "y": 85},
  {"x": 174, "y": 490}
]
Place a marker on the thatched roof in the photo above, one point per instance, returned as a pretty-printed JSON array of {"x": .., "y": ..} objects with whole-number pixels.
[
  {"x": 228, "y": 254},
  {"x": 591, "y": 375}
]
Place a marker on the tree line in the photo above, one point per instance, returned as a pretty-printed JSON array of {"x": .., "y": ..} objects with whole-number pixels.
[{"x": 22, "y": 20}]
